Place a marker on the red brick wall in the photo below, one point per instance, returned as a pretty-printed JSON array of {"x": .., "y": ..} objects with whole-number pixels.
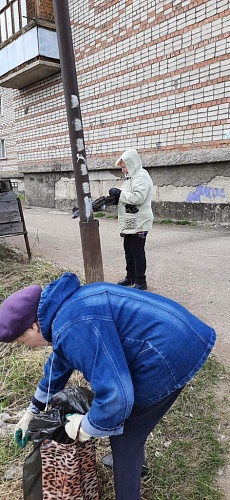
[
  {"x": 42, "y": 9},
  {"x": 31, "y": 8},
  {"x": 46, "y": 9}
]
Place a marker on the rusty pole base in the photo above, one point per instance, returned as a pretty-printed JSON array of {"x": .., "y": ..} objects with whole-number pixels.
[{"x": 91, "y": 249}]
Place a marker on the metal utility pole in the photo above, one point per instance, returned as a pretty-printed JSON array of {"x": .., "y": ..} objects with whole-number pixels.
[{"x": 89, "y": 228}]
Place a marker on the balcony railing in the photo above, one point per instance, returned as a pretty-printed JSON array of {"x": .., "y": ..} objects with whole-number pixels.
[
  {"x": 28, "y": 42},
  {"x": 15, "y": 14}
]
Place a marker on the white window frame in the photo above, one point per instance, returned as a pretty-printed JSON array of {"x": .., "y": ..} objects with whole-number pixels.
[
  {"x": 2, "y": 149},
  {"x": 1, "y": 105},
  {"x": 3, "y": 4},
  {"x": 13, "y": 17}
]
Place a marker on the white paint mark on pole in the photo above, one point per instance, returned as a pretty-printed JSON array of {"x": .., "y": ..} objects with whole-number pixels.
[
  {"x": 84, "y": 169},
  {"x": 81, "y": 157},
  {"x": 74, "y": 101},
  {"x": 85, "y": 187},
  {"x": 80, "y": 144},
  {"x": 77, "y": 124},
  {"x": 88, "y": 207}
]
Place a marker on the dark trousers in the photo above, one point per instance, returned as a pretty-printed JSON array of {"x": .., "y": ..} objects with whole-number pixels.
[
  {"x": 128, "y": 448},
  {"x": 134, "y": 247}
]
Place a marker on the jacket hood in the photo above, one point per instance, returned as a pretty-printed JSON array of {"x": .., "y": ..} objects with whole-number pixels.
[
  {"x": 52, "y": 298},
  {"x": 132, "y": 161}
]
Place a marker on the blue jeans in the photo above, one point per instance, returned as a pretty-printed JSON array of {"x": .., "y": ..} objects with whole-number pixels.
[{"x": 128, "y": 448}]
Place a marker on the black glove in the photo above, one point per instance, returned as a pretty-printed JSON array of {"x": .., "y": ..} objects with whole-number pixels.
[{"x": 116, "y": 193}]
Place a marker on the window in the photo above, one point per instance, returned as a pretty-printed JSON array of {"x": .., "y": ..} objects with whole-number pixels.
[
  {"x": 3, "y": 4},
  {"x": 2, "y": 149},
  {"x": 13, "y": 16},
  {"x": 1, "y": 106},
  {"x": 14, "y": 185}
]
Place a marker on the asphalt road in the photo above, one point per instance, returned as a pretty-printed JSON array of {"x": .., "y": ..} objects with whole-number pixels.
[{"x": 188, "y": 264}]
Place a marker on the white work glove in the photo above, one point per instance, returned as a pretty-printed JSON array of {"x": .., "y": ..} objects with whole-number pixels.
[
  {"x": 71, "y": 428},
  {"x": 20, "y": 432}
]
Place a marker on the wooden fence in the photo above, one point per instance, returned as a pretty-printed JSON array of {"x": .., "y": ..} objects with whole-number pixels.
[{"x": 12, "y": 221}]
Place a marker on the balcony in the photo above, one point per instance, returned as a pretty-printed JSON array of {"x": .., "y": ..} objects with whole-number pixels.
[{"x": 28, "y": 42}]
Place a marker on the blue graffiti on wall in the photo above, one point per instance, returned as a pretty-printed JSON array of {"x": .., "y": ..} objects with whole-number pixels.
[{"x": 206, "y": 191}]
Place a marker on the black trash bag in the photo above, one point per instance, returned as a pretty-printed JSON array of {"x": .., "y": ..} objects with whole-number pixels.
[
  {"x": 73, "y": 399},
  {"x": 75, "y": 212},
  {"x": 44, "y": 425},
  {"x": 103, "y": 202},
  {"x": 51, "y": 425},
  {"x": 32, "y": 475},
  {"x": 48, "y": 425},
  {"x": 99, "y": 204}
]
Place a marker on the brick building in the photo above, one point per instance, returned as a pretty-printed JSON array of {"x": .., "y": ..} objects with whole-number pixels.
[
  {"x": 152, "y": 75},
  {"x": 8, "y": 151}
]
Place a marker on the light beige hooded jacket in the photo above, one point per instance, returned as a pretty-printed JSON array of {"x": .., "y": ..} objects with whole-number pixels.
[{"x": 136, "y": 190}]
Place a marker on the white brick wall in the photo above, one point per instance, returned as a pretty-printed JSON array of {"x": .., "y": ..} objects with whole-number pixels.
[
  {"x": 7, "y": 133},
  {"x": 153, "y": 75}
]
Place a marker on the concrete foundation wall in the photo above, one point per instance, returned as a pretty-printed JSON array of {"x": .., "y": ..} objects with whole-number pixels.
[
  {"x": 186, "y": 191},
  {"x": 203, "y": 212},
  {"x": 50, "y": 189}
]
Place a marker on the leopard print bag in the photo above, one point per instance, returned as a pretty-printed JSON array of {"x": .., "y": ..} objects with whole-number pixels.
[{"x": 69, "y": 470}]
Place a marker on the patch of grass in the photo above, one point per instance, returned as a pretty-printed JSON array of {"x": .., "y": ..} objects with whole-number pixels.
[
  {"x": 17, "y": 272},
  {"x": 20, "y": 367},
  {"x": 111, "y": 216},
  {"x": 106, "y": 215},
  {"x": 184, "y": 452},
  {"x": 99, "y": 214},
  {"x": 177, "y": 222}
]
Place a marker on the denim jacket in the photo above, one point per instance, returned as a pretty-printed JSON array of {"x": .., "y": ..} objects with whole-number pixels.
[{"x": 133, "y": 347}]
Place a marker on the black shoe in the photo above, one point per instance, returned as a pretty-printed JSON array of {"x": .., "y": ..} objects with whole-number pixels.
[
  {"x": 125, "y": 282},
  {"x": 140, "y": 287},
  {"x": 108, "y": 462}
]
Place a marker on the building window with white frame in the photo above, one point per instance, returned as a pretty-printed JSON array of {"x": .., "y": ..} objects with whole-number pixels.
[
  {"x": 13, "y": 17},
  {"x": 2, "y": 149}
]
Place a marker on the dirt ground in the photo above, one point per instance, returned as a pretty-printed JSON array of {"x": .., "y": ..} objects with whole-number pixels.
[{"x": 189, "y": 264}]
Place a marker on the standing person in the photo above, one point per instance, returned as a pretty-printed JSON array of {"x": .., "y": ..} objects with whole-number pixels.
[
  {"x": 136, "y": 350},
  {"x": 135, "y": 216}
]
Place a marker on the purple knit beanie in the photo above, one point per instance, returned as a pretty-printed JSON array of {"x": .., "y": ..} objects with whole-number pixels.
[{"x": 18, "y": 312}]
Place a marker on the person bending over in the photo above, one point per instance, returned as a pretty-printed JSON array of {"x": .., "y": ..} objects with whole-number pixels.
[{"x": 137, "y": 351}]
